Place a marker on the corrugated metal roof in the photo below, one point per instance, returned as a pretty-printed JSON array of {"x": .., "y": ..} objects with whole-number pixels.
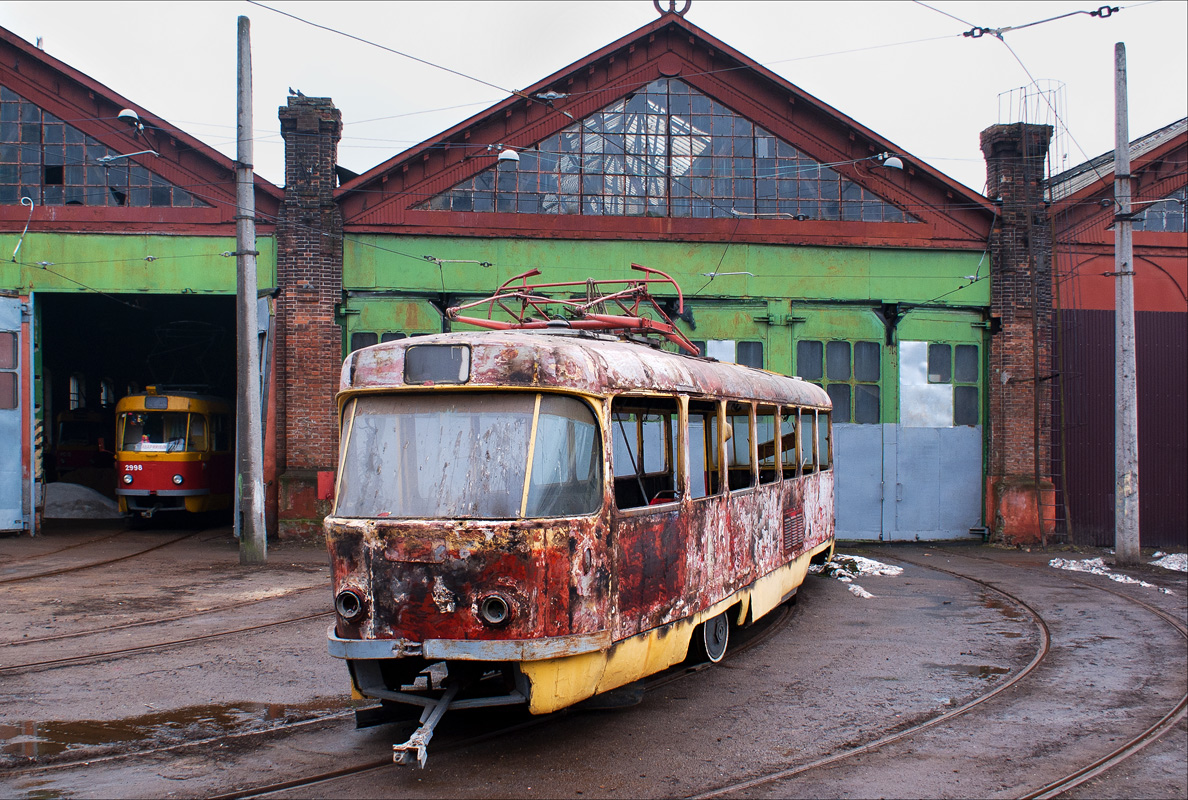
[{"x": 1074, "y": 180}]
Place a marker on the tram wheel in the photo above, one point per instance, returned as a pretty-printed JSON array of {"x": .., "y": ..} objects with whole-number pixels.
[{"x": 715, "y": 635}]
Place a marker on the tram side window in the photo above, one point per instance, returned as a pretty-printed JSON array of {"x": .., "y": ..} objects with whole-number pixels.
[
  {"x": 704, "y": 477},
  {"x": 824, "y": 440},
  {"x": 196, "y": 442},
  {"x": 643, "y": 436},
  {"x": 220, "y": 429},
  {"x": 739, "y": 470},
  {"x": 788, "y": 458},
  {"x": 566, "y": 475},
  {"x": 807, "y": 439},
  {"x": 768, "y": 448}
]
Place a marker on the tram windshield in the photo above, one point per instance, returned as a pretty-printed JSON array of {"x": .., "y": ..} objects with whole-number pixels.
[
  {"x": 466, "y": 455},
  {"x": 162, "y": 432}
]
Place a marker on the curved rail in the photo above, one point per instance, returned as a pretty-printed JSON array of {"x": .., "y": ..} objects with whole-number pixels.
[
  {"x": 49, "y": 553},
  {"x": 1136, "y": 744},
  {"x": 773, "y": 626},
  {"x": 1050, "y": 790},
  {"x": 53, "y": 637},
  {"x": 1041, "y": 653},
  {"x": 54, "y": 663},
  {"x": 80, "y": 567}
]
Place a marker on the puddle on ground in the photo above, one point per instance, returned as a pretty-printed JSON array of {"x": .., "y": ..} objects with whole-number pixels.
[
  {"x": 29, "y": 740},
  {"x": 983, "y": 672},
  {"x": 1006, "y": 609}
]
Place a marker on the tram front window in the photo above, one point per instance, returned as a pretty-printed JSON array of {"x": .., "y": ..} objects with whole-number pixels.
[
  {"x": 465, "y": 455},
  {"x": 154, "y": 431}
]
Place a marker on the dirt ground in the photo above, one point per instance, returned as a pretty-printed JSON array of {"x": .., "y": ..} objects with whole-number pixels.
[{"x": 843, "y": 671}]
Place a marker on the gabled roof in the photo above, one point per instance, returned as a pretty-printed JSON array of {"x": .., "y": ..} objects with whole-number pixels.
[
  {"x": 1082, "y": 207},
  {"x": 382, "y": 198},
  {"x": 1100, "y": 170},
  {"x": 90, "y": 106}
]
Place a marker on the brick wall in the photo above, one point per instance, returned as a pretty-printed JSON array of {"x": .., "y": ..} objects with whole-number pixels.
[
  {"x": 1019, "y": 496},
  {"x": 309, "y": 339}
]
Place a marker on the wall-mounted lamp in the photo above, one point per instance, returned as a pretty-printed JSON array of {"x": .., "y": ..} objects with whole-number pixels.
[
  {"x": 889, "y": 161},
  {"x": 506, "y": 155},
  {"x": 132, "y": 118}
]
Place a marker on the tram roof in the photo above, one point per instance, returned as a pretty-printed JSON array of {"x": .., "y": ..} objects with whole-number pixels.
[
  {"x": 596, "y": 364},
  {"x": 172, "y": 401}
]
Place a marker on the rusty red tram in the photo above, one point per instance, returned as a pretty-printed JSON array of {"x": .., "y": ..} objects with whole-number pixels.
[{"x": 541, "y": 516}]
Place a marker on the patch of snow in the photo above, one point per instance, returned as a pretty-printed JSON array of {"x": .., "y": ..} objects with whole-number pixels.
[
  {"x": 1096, "y": 566},
  {"x": 844, "y": 568},
  {"x": 72, "y": 501},
  {"x": 1173, "y": 561}
]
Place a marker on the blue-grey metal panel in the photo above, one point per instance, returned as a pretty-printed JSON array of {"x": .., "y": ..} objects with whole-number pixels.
[
  {"x": 917, "y": 492},
  {"x": 960, "y": 468},
  {"x": 939, "y": 489},
  {"x": 858, "y": 453},
  {"x": 11, "y": 516}
]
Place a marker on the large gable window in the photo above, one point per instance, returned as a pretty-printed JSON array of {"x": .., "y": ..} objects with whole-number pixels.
[
  {"x": 54, "y": 163},
  {"x": 668, "y": 151}
]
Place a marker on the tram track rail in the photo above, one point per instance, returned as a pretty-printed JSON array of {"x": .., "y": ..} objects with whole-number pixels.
[
  {"x": 161, "y": 620},
  {"x": 1052, "y": 789},
  {"x": 769, "y": 630},
  {"x": 1135, "y": 745},
  {"x": 90, "y": 565},
  {"x": 48, "y": 553},
  {"x": 774, "y": 626},
  {"x": 124, "y": 652}
]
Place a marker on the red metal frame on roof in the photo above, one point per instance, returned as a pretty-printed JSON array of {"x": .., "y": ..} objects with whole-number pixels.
[
  {"x": 382, "y": 199},
  {"x": 92, "y": 108},
  {"x": 529, "y": 309}
]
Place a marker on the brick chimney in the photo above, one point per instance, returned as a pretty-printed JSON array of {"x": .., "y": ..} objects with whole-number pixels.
[
  {"x": 1020, "y": 505},
  {"x": 309, "y": 339}
]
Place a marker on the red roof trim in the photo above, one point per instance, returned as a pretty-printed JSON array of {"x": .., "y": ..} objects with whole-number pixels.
[
  {"x": 184, "y": 160},
  {"x": 381, "y": 197}
]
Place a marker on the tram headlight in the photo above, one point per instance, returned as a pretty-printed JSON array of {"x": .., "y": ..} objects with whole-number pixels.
[
  {"x": 494, "y": 610},
  {"x": 177, "y": 480},
  {"x": 348, "y": 604},
  {"x": 127, "y": 478}
]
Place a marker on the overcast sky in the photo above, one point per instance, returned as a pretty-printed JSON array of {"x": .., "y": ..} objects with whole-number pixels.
[{"x": 902, "y": 69}]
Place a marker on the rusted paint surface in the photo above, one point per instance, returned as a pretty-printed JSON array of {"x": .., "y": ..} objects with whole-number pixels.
[
  {"x": 644, "y": 576},
  {"x": 425, "y": 579},
  {"x": 588, "y": 364}
]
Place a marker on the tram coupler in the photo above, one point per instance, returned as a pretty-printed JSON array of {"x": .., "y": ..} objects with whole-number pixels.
[{"x": 419, "y": 742}]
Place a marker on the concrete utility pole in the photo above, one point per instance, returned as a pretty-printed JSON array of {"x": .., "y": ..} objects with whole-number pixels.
[
  {"x": 1126, "y": 473},
  {"x": 253, "y": 541}
]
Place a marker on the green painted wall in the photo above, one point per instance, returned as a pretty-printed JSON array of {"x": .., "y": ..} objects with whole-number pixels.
[
  {"x": 118, "y": 263},
  {"x": 793, "y": 294},
  {"x": 381, "y": 262}
]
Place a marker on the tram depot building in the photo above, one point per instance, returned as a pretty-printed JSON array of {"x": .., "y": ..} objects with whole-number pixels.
[{"x": 966, "y": 340}]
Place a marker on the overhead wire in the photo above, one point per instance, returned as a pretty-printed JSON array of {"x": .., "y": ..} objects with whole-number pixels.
[{"x": 527, "y": 97}]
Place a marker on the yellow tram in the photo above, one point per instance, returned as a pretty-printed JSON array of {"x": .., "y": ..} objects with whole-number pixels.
[{"x": 174, "y": 452}]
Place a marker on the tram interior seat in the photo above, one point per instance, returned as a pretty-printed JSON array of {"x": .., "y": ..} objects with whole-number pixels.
[{"x": 656, "y": 489}]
